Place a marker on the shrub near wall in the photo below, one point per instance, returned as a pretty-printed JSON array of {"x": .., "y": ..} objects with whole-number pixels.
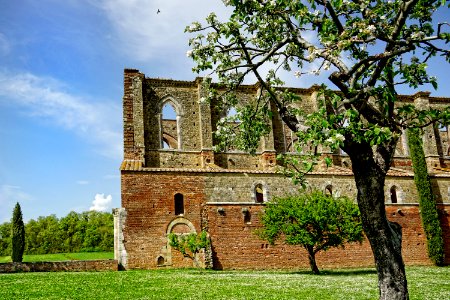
[{"x": 429, "y": 210}]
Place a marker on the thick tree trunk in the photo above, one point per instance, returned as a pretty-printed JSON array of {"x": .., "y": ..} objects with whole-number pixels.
[
  {"x": 312, "y": 260},
  {"x": 385, "y": 237}
]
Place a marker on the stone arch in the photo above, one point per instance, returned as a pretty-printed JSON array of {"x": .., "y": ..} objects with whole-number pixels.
[
  {"x": 171, "y": 142},
  {"x": 173, "y": 139},
  {"x": 260, "y": 196},
  {"x": 328, "y": 187},
  {"x": 172, "y": 101},
  {"x": 394, "y": 194},
  {"x": 179, "y": 222},
  {"x": 160, "y": 261}
]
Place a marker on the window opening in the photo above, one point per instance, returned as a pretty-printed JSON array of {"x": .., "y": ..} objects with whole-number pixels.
[
  {"x": 393, "y": 194},
  {"x": 169, "y": 130},
  {"x": 329, "y": 190},
  {"x": 165, "y": 144},
  {"x": 160, "y": 261},
  {"x": 259, "y": 194},
  {"x": 179, "y": 204}
]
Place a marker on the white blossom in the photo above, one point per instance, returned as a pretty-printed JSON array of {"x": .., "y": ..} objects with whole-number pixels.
[
  {"x": 189, "y": 53},
  {"x": 371, "y": 28},
  {"x": 297, "y": 74},
  {"x": 340, "y": 137},
  {"x": 417, "y": 35}
]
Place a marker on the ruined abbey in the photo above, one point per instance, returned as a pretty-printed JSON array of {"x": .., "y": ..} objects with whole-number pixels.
[{"x": 173, "y": 182}]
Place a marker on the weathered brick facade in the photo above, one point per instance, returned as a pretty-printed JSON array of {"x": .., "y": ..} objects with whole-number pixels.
[{"x": 173, "y": 181}]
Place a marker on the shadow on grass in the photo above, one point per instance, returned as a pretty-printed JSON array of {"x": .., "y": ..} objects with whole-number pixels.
[
  {"x": 349, "y": 272},
  {"x": 337, "y": 272}
]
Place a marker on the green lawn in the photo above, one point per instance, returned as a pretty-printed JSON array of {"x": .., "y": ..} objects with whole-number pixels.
[
  {"x": 62, "y": 256},
  {"x": 424, "y": 283}
]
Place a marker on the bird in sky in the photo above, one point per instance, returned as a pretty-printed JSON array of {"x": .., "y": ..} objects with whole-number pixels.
[{"x": 158, "y": 11}]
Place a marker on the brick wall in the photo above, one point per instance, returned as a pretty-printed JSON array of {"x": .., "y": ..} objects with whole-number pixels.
[
  {"x": 148, "y": 198},
  {"x": 235, "y": 246}
]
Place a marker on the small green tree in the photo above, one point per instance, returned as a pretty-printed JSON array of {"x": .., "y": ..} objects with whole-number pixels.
[
  {"x": 314, "y": 221},
  {"x": 17, "y": 235},
  {"x": 189, "y": 244}
]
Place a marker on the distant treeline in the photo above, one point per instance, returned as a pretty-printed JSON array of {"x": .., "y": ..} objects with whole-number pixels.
[{"x": 89, "y": 231}]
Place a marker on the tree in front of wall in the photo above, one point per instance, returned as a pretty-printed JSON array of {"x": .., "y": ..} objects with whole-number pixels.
[
  {"x": 315, "y": 221},
  {"x": 366, "y": 50},
  {"x": 428, "y": 210},
  {"x": 17, "y": 235},
  {"x": 190, "y": 244}
]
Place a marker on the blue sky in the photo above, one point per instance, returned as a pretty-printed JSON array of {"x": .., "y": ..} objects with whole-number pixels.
[{"x": 61, "y": 87}]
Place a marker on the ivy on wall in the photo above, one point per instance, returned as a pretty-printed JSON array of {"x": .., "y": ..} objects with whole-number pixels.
[{"x": 427, "y": 203}]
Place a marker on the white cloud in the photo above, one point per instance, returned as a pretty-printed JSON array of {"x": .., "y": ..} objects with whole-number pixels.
[
  {"x": 101, "y": 203},
  {"x": 146, "y": 34},
  {"x": 47, "y": 98}
]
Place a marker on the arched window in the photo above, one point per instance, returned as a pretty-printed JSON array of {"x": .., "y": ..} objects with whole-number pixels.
[
  {"x": 169, "y": 127},
  {"x": 160, "y": 261},
  {"x": 393, "y": 192},
  {"x": 329, "y": 190},
  {"x": 179, "y": 204},
  {"x": 259, "y": 193}
]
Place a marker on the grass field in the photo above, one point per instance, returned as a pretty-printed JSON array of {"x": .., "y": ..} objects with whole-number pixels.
[
  {"x": 62, "y": 256},
  {"x": 424, "y": 283}
]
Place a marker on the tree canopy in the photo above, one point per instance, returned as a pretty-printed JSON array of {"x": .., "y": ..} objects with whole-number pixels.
[
  {"x": 314, "y": 221},
  {"x": 77, "y": 232},
  {"x": 368, "y": 49}
]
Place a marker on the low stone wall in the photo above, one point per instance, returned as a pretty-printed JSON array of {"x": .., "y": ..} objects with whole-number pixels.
[{"x": 60, "y": 266}]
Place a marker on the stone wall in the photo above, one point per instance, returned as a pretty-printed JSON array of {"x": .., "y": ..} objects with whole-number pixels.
[{"x": 59, "y": 266}]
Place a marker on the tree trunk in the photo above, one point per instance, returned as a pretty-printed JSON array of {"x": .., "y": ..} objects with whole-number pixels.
[
  {"x": 312, "y": 260},
  {"x": 385, "y": 237}
]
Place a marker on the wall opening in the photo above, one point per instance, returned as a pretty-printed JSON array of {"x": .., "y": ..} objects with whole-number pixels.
[
  {"x": 179, "y": 204},
  {"x": 393, "y": 192},
  {"x": 247, "y": 217},
  {"x": 169, "y": 127},
  {"x": 160, "y": 261},
  {"x": 329, "y": 190},
  {"x": 259, "y": 193}
]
